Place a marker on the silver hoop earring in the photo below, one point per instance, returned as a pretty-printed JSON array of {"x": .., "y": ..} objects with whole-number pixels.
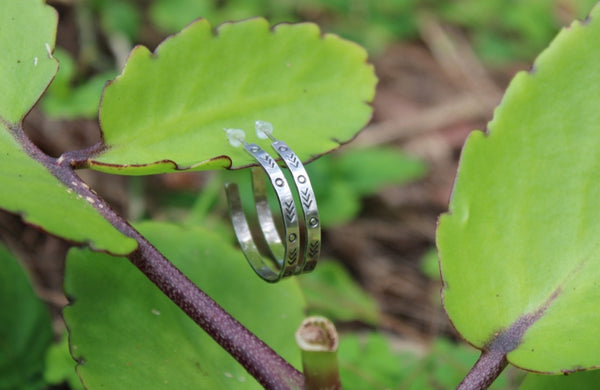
[{"x": 294, "y": 253}]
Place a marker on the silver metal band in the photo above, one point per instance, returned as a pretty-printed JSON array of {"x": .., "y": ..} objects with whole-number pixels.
[
  {"x": 286, "y": 254},
  {"x": 284, "y": 251},
  {"x": 312, "y": 224}
]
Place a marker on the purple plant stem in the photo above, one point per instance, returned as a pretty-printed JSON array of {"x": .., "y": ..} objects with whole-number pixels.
[
  {"x": 493, "y": 358},
  {"x": 262, "y": 362},
  {"x": 485, "y": 371}
]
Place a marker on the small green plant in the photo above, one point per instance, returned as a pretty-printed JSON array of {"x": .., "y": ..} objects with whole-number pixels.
[
  {"x": 166, "y": 113},
  {"x": 517, "y": 250}
]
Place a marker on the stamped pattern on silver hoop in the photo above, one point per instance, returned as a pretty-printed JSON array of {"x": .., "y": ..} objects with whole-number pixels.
[
  {"x": 292, "y": 253},
  {"x": 288, "y": 210},
  {"x": 312, "y": 245}
]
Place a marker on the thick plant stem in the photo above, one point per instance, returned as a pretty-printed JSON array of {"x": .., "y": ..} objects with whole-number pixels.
[
  {"x": 493, "y": 358},
  {"x": 485, "y": 371},
  {"x": 264, "y": 364}
]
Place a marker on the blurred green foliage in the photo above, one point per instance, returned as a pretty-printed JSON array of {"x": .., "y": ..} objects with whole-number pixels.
[
  {"x": 119, "y": 17},
  {"x": 430, "y": 266},
  {"x": 500, "y": 30},
  {"x": 370, "y": 361},
  {"x": 69, "y": 98},
  {"x": 341, "y": 180},
  {"x": 330, "y": 291}
]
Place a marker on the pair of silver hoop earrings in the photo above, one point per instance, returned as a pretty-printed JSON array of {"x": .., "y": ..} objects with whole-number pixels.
[{"x": 296, "y": 251}]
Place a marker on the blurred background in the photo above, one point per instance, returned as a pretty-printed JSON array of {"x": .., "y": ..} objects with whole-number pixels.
[{"x": 442, "y": 67}]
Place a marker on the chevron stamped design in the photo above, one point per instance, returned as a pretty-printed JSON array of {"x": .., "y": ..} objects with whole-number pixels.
[
  {"x": 292, "y": 256},
  {"x": 313, "y": 249},
  {"x": 290, "y": 210},
  {"x": 306, "y": 198},
  {"x": 269, "y": 161}
]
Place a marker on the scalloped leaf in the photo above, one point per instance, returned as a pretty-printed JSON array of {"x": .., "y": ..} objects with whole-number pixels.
[
  {"x": 29, "y": 189},
  {"x": 120, "y": 324},
  {"x": 25, "y": 328},
  {"x": 519, "y": 248},
  {"x": 27, "y": 31},
  {"x": 167, "y": 110},
  {"x": 27, "y": 35}
]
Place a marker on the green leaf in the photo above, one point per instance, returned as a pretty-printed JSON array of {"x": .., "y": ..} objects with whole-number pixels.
[
  {"x": 338, "y": 204},
  {"x": 368, "y": 170},
  {"x": 29, "y": 189},
  {"x": 119, "y": 17},
  {"x": 369, "y": 361},
  {"x": 121, "y": 324},
  {"x": 167, "y": 110},
  {"x": 60, "y": 366},
  {"x": 62, "y": 100},
  {"x": 331, "y": 292},
  {"x": 79, "y": 102},
  {"x": 27, "y": 34},
  {"x": 587, "y": 380},
  {"x": 341, "y": 180},
  {"x": 27, "y": 31},
  {"x": 61, "y": 84},
  {"x": 430, "y": 265},
  {"x": 518, "y": 249},
  {"x": 25, "y": 329},
  {"x": 172, "y": 16},
  {"x": 447, "y": 363}
]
